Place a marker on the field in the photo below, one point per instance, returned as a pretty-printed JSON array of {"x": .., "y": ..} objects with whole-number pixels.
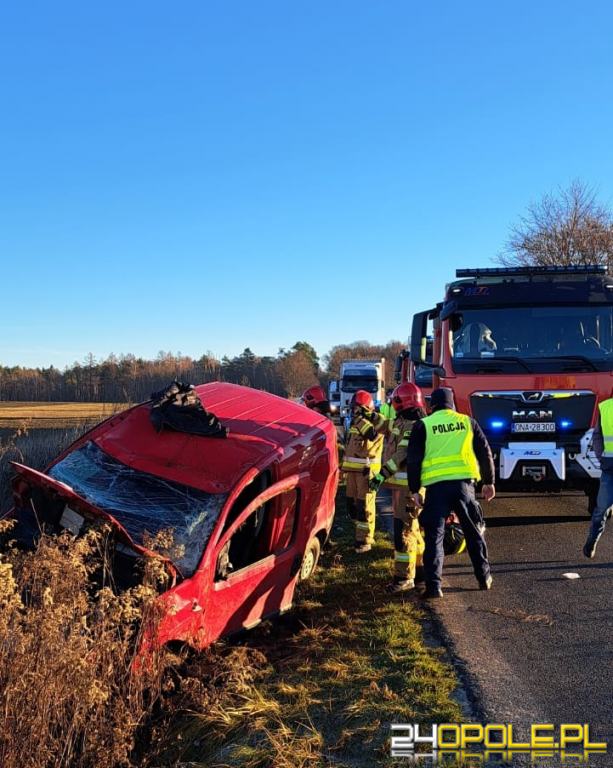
[{"x": 42, "y": 415}]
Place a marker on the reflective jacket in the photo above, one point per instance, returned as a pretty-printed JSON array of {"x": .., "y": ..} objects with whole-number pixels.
[
  {"x": 388, "y": 411},
  {"x": 417, "y": 451},
  {"x": 365, "y": 444},
  {"x": 449, "y": 453},
  {"x": 605, "y": 410},
  {"x": 395, "y": 453}
]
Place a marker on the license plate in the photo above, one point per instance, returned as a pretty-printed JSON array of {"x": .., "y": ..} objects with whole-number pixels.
[
  {"x": 72, "y": 521},
  {"x": 547, "y": 426}
]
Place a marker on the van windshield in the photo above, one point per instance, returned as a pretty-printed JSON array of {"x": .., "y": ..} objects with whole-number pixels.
[{"x": 144, "y": 504}]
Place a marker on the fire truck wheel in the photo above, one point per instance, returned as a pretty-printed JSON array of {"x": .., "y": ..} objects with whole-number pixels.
[{"x": 310, "y": 559}]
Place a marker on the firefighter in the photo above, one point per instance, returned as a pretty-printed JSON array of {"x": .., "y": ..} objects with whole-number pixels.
[
  {"x": 408, "y": 402},
  {"x": 602, "y": 444},
  {"x": 361, "y": 462},
  {"x": 316, "y": 399},
  {"x": 447, "y": 452}
]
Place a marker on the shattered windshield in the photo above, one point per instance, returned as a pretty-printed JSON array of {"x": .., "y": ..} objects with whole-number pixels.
[
  {"x": 142, "y": 503},
  {"x": 530, "y": 338}
]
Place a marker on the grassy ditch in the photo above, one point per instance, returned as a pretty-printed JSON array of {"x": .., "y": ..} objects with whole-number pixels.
[{"x": 321, "y": 686}]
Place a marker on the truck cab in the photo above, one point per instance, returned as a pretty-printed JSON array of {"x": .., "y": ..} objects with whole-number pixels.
[
  {"x": 249, "y": 513},
  {"x": 368, "y": 375},
  {"x": 528, "y": 352}
]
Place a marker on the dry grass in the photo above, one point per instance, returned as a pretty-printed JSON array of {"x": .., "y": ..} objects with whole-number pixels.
[
  {"x": 42, "y": 415},
  {"x": 69, "y": 695},
  {"x": 34, "y": 447}
]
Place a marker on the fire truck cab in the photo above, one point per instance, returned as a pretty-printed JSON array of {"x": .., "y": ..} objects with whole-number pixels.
[{"x": 528, "y": 352}]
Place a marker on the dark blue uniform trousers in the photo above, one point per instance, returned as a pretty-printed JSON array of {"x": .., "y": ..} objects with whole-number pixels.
[{"x": 442, "y": 498}]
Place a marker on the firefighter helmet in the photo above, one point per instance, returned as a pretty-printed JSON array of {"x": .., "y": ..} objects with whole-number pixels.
[
  {"x": 453, "y": 540},
  {"x": 407, "y": 395},
  {"x": 362, "y": 399},
  {"x": 314, "y": 396}
]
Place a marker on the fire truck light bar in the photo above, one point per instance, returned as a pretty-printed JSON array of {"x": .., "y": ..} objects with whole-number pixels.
[{"x": 577, "y": 269}]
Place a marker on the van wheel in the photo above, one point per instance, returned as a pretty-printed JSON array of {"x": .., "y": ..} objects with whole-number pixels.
[{"x": 310, "y": 559}]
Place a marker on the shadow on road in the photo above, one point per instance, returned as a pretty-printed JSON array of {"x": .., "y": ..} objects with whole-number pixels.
[
  {"x": 535, "y": 567},
  {"x": 502, "y": 522}
]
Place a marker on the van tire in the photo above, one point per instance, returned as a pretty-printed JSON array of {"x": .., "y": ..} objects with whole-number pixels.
[{"x": 310, "y": 559}]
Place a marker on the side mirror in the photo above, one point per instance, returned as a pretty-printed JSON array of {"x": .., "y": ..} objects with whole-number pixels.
[
  {"x": 404, "y": 355},
  {"x": 419, "y": 337}
]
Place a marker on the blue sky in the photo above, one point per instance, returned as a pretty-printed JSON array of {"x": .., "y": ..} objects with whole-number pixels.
[{"x": 212, "y": 175}]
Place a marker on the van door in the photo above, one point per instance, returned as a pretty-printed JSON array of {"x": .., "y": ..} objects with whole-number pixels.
[{"x": 256, "y": 562}]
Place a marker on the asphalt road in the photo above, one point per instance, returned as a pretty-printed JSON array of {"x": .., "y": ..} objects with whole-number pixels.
[{"x": 538, "y": 647}]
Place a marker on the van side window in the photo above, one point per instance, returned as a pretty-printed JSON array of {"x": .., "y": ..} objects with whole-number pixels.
[
  {"x": 247, "y": 495},
  {"x": 268, "y": 530}
]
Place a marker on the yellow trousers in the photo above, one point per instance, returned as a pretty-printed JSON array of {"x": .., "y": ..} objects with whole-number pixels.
[
  {"x": 361, "y": 507},
  {"x": 408, "y": 542}
]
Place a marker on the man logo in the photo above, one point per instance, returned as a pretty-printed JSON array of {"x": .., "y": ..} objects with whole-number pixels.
[{"x": 533, "y": 415}]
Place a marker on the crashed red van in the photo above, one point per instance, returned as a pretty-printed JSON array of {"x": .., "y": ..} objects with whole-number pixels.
[{"x": 249, "y": 512}]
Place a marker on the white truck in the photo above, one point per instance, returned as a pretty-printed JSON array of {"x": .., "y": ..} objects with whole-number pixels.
[
  {"x": 334, "y": 397},
  {"x": 361, "y": 374}
]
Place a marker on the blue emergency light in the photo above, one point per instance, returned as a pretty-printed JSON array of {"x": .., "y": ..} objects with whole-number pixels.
[
  {"x": 496, "y": 424},
  {"x": 572, "y": 269}
]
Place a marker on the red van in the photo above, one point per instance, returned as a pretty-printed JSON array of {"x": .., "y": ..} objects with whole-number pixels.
[{"x": 249, "y": 513}]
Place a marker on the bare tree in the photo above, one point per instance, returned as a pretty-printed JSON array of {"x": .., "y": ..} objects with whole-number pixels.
[
  {"x": 362, "y": 350},
  {"x": 570, "y": 227},
  {"x": 296, "y": 371}
]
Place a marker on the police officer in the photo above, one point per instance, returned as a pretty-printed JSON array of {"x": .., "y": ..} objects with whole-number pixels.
[
  {"x": 447, "y": 452},
  {"x": 361, "y": 462},
  {"x": 602, "y": 443}
]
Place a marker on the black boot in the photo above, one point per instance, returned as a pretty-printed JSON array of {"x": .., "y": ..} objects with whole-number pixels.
[{"x": 589, "y": 548}]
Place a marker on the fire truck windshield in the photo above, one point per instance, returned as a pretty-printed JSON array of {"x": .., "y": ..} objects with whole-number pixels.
[{"x": 545, "y": 338}]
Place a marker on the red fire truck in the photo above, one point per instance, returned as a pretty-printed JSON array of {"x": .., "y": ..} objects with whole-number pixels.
[{"x": 528, "y": 352}]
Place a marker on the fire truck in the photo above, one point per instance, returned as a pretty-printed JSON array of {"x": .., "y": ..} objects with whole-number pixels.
[{"x": 528, "y": 352}]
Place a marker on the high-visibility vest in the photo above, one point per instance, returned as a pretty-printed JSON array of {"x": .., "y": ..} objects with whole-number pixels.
[
  {"x": 449, "y": 453},
  {"x": 387, "y": 410},
  {"x": 606, "y": 424}
]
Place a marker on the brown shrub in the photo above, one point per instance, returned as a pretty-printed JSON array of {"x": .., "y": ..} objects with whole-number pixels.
[{"x": 69, "y": 692}]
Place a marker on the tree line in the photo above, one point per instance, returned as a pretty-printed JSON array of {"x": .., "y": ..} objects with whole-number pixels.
[{"x": 127, "y": 378}]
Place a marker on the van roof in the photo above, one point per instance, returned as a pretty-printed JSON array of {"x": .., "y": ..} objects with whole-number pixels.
[{"x": 261, "y": 426}]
